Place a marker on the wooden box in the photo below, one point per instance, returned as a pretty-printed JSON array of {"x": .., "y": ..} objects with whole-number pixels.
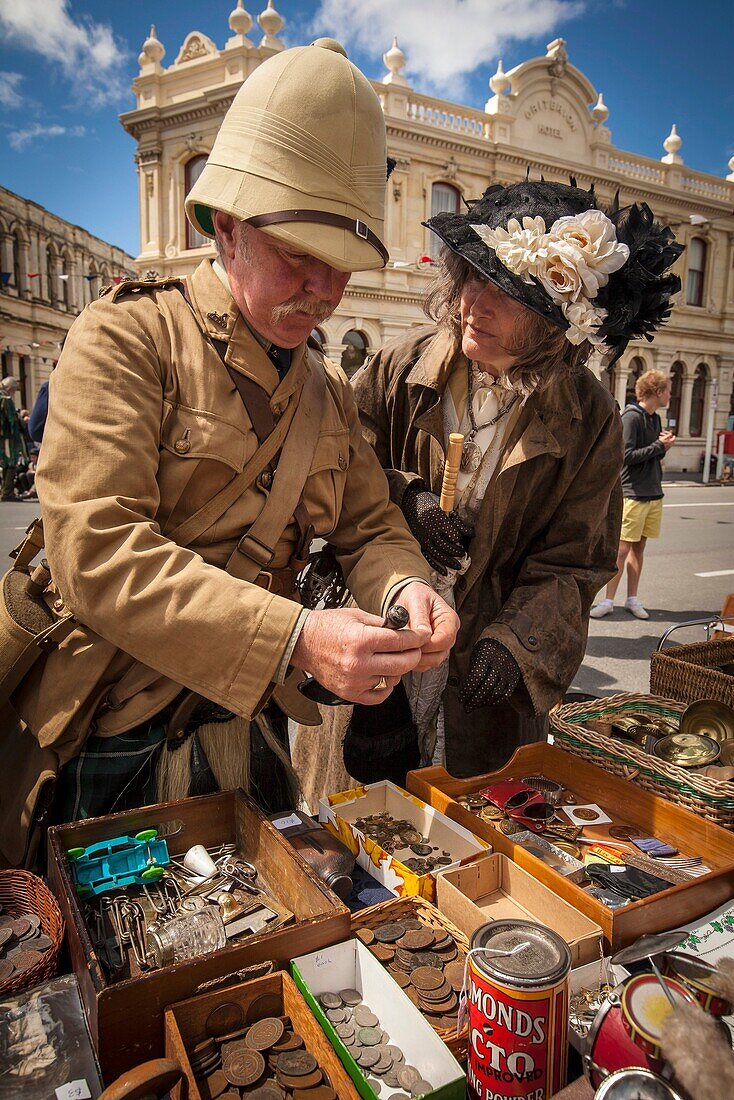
[
  {"x": 184, "y": 1027},
  {"x": 626, "y": 805},
  {"x": 494, "y": 888},
  {"x": 126, "y": 1018}
]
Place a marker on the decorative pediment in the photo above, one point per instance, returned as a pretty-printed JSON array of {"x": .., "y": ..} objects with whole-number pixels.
[{"x": 195, "y": 45}]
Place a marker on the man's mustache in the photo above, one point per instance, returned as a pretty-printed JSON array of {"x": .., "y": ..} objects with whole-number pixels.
[{"x": 319, "y": 311}]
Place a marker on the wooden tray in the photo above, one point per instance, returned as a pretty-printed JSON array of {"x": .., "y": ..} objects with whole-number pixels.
[
  {"x": 627, "y": 805},
  {"x": 184, "y": 1026},
  {"x": 429, "y": 915},
  {"x": 126, "y": 1018}
]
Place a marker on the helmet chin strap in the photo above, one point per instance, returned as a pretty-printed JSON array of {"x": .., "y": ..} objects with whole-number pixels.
[{"x": 323, "y": 217}]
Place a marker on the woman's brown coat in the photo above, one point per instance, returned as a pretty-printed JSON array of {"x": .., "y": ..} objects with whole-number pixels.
[{"x": 546, "y": 536}]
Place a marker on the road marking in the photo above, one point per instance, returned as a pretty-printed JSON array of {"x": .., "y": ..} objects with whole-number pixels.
[
  {"x": 716, "y": 573},
  {"x": 704, "y": 504}
]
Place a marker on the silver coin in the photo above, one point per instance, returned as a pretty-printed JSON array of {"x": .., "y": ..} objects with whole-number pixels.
[
  {"x": 331, "y": 1000},
  {"x": 369, "y": 1036},
  {"x": 385, "y": 1063},
  {"x": 408, "y": 1076},
  {"x": 344, "y": 1030},
  {"x": 391, "y": 1079},
  {"x": 395, "y": 1053},
  {"x": 350, "y": 997},
  {"x": 336, "y": 1015},
  {"x": 367, "y": 1058},
  {"x": 375, "y": 1085},
  {"x": 365, "y": 1017},
  {"x": 421, "y": 1087},
  {"x": 471, "y": 457}
]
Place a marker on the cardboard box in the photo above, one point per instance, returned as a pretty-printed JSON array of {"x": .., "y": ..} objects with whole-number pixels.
[
  {"x": 494, "y": 888},
  {"x": 126, "y": 1017},
  {"x": 350, "y": 965},
  {"x": 627, "y": 806},
  {"x": 592, "y": 976},
  {"x": 339, "y": 812},
  {"x": 185, "y": 1026}
]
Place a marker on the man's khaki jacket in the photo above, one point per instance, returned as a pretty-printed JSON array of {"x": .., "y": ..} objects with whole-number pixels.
[{"x": 145, "y": 426}]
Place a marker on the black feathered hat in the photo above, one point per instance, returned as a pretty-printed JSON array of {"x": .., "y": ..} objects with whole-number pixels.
[{"x": 599, "y": 275}]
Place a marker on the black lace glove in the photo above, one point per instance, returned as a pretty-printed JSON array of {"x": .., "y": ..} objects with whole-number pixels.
[
  {"x": 493, "y": 675},
  {"x": 443, "y": 536}
]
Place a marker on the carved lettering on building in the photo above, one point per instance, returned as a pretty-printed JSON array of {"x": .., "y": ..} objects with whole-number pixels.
[{"x": 552, "y": 106}]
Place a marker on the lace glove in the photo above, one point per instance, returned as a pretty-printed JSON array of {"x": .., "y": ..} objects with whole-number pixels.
[
  {"x": 493, "y": 675},
  {"x": 443, "y": 536}
]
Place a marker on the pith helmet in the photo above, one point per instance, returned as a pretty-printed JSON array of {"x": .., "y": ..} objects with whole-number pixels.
[{"x": 301, "y": 154}]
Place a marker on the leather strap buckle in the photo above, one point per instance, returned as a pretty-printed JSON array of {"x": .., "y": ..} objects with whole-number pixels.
[
  {"x": 268, "y": 578},
  {"x": 361, "y": 229}
]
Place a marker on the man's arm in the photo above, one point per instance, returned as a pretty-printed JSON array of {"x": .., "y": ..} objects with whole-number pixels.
[
  {"x": 634, "y": 454},
  {"x": 545, "y": 620},
  {"x": 161, "y": 603}
]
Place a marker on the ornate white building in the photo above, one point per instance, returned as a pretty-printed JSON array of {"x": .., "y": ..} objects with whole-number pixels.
[
  {"x": 50, "y": 270},
  {"x": 544, "y": 115}
]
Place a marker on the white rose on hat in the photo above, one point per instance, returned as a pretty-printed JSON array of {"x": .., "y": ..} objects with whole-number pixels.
[
  {"x": 521, "y": 249},
  {"x": 594, "y": 237},
  {"x": 559, "y": 272},
  {"x": 584, "y": 320}
]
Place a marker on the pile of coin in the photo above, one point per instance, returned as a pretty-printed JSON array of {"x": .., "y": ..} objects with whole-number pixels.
[
  {"x": 382, "y": 1062},
  {"x": 266, "y": 1060},
  {"x": 400, "y": 837},
  {"x": 22, "y": 943},
  {"x": 425, "y": 961}
]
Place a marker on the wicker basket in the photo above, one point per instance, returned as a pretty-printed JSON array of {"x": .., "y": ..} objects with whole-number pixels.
[
  {"x": 427, "y": 914},
  {"x": 709, "y": 798},
  {"x": 692, "y": 672},
  {"x": 22, "y": 892}
]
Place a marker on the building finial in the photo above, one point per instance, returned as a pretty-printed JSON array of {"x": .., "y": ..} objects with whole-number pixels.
[
  {"x": 671, "y": 145},
  {"x": 500, "y": 82},
  {"x": 600, "y": 111},
  {"x": 153, "y": 51},
  {"x": 395, "y": 62},
  {"x": 240, "y": 21},
  {"x": 271, "y": 22}
]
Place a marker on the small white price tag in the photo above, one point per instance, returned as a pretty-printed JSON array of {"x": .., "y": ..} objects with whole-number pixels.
[
  {"x": 287, "y": 822},
  {"x": 74, "y": 1090}
]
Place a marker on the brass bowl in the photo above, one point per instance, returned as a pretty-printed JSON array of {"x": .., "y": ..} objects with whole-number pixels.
[
  {"x": 687, "y": 750},
  {"x": 709, "y": 718}
]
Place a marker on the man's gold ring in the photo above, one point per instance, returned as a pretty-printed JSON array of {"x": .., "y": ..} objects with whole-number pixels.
[{"x": 380, "y": 685}]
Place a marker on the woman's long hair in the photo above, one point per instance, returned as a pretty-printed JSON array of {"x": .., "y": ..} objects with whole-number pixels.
[{"x": 542, "y": 354}]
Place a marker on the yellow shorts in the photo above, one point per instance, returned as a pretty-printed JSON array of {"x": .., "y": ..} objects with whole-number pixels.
[{"x": 641, "y": 519}]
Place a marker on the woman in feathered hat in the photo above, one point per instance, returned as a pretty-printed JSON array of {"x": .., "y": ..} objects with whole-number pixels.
[{"x": 530, "y": 279}]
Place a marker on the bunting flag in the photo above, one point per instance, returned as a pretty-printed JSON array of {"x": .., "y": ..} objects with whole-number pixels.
[
  {"x": 5, "y": 276},
  {"x": 34, "y": 274},
  {"x": 64, "y": 277}
]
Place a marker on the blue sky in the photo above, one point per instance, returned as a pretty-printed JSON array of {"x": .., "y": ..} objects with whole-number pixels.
[{"x": 66, "y": 68}]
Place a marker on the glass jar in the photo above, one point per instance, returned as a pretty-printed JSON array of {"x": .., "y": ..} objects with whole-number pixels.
[{"x": 187, "y": 935}]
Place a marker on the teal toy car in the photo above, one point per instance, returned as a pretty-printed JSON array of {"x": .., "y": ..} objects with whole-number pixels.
[{"x": 122, "y": 861}]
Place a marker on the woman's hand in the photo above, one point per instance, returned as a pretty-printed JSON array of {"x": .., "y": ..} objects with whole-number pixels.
[
  {"x": 493, "y": 675},
  {"x": 443, "y": 536}
]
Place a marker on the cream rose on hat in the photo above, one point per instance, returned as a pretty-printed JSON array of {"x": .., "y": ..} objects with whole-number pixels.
[
  {"x": 522, "y": 249},
  {"x": 600, "y": 253}
]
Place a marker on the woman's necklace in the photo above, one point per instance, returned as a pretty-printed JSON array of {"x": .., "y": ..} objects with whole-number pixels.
[{"x": 471, "y": 456}]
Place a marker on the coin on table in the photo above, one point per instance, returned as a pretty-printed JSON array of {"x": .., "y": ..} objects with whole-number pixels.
[
  {"x": 297, "y": 1063},
  {"x": 367, "y": 1057},
  {"x": 365, "y": 1017},
  {"x": 454, "y": 975},
  {"x": 264, "y": 1034},
  {"x": 336, "y": 1015},
  {"x": 7, "y": 969},
  {"x": 366, "y": 935},
  {"x": 20, "y": 926},
  {"x": 421, "y": 1087},
  {"x": 244, "y": 1068},
  {"x": 369, "y": 1036},
  {"x": 427, "y": 977},
  {"x": 24, "y": 960},
  {"x": 350, "y": 997},
  {"x": 626, "y": 832},
  {"x": 224, "y": 1019},
  {"x": 330, "y": 1000},
  {"x": 390, "y": 933}
]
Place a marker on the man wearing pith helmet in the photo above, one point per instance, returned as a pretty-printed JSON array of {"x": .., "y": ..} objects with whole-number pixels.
[{"x": 195, "y": 445}]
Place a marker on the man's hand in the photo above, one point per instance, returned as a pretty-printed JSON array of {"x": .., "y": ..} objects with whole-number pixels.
[
  {"x": 348, "y": 651},
  {"x": 430, "y": 616},
  {"x": 667, "y": 439}
]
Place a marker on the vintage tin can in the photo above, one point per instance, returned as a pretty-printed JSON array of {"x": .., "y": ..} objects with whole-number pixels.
[{"x": 518, "y": 1012}]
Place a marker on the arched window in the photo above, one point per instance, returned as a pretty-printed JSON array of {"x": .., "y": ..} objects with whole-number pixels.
[
  {"x": 676, "y": 384},
  {"x": 637, "y": 367},
  {"x": 318, "y": 337},
  {"x": 355, "y": 352},
  {"x": 65, "y": 292},
  {"x": 698, "y": 400},
  {"x": 696, "y": 272},
  {"x": 444, "y": 199},
  {"x": 193, "y": 169},
  {"x": 23, "y": 370},
  {"x": 51, "y": 288}
]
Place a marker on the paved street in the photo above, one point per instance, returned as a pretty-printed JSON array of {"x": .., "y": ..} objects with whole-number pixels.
[{"x": 697, "y": 537}]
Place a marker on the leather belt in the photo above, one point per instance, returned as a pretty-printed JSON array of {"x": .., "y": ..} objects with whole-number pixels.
[
  {"x": 281, "y": 582},
  {"x": 323, "y": 217}
]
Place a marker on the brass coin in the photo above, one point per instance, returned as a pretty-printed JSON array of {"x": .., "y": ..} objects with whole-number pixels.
[
  {"x": 626, "y": 832},
  {"x": 224, "y": 1019},
  {"x": 264, "y": 1034},
  {"x": 416, "y": 941},
  {"x": 445, "y": 1007},
  {"x": 569, "y": 848},
  {"x": 267, "y": 1004},
  {"x": 584, "y": 814},
  {"x": 297, "y": 1063},
  {"x": 6, "y": 934},
  {"x": 401, "y": 978},
  {"x": 382, "y": 952},
  {"x": 7, "y": 969},
  {"x": 454, "y": 975},
  {"x": 366, "y": 935},
  {"x": 24, "y": 960},
  {"x": 217, "y": 1083},
  {"x": 390, "y": 933},
  {"x": 244, "y": 1068},
  {"x": 291, "y": 1041},
  {"x": 426, "y": 978},
  {"x": 307, "y": 1081}
]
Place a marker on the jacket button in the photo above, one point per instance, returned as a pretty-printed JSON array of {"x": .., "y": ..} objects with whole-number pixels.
[
  {"x": 265, "y": 479},
  {"x": 342, "y": 462},
  {"x": 182, "y": 446},
  {"x": 532, "y": 640},
  {"x": 58, "y": 606},
  {"x": 453, "y": 681}
]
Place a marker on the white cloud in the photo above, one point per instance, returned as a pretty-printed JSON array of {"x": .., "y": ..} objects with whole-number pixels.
[
  {"x": 20, "y": 138},
  {"x": 86, "y": 52},
  {"x": 8, "y": 89},
  {"x": 444, "y": 40}
]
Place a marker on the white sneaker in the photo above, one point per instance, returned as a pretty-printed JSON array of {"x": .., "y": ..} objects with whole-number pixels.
[
  {"x": 633, "y": 605},
  {"x": 604, "y": 607}
]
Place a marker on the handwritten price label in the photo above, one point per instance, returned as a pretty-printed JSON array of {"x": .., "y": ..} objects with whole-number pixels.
[{"x": 74, "y": 1090}]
